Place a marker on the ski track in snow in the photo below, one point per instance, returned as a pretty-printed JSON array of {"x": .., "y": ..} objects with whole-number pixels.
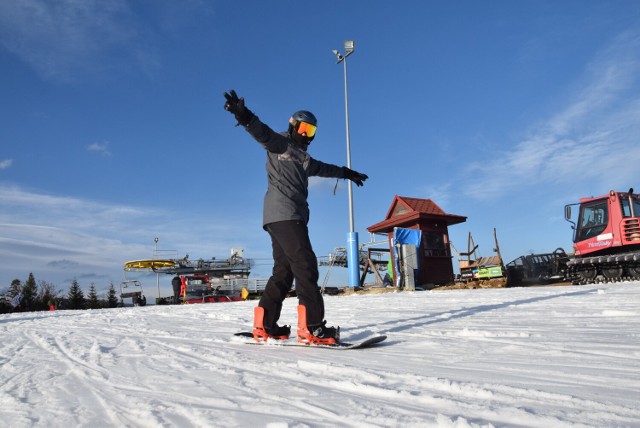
[{"x": 534, "y": 357}]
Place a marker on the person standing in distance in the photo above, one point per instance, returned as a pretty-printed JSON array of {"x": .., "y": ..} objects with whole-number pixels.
[{"x": 285, "y": 218}]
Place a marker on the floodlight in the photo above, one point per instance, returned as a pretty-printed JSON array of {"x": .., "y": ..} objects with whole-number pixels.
[{"x": 349, "y": 46}]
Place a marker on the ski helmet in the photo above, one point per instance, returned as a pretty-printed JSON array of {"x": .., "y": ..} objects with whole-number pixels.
[
  {"x": 303, "y": 116},
  {"x": 302, "y": 127}
]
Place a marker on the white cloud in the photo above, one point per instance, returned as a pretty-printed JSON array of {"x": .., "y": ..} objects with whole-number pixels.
[
  {"x": 37, "y": 231},
  {"x": 6, "y": 163},
  {"x": 64, "y": 39},
  {"x": 102, "y": 148},
  {"x": 61, "y": 237},
  {"x": 440, "y": 194},
  {"x": 590, "y": 139},
  {"x": 64, "y": 211},
  {"x": 60, "y": 38},
  {"x": 325, "y": 183}
]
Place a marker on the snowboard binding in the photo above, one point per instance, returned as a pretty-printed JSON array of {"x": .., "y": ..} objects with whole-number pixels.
[
  {"x": 260, "y": 334},
  {"x": 318, "y": 334}
]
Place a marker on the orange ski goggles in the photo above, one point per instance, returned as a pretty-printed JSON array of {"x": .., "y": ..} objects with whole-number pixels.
[{"x": 306, "y": 128}]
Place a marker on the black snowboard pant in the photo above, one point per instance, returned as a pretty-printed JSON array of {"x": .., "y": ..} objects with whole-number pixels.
[
  {"x": 177, "y": 286},
  {"x": 293, "y": 259}
]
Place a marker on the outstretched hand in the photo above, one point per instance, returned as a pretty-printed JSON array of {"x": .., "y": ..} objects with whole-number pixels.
[
  {"x": 355, "y": 176},
  {"x": 235, "y": 106}
]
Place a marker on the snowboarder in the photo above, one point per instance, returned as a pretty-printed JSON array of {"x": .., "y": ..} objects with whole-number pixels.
[
  {"x": 176, "y": 284},
  {"x": 285, "y": 218}
]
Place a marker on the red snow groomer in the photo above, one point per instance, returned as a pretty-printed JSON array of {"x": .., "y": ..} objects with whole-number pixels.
[
  {"x": 606, "y": 238},
  {"x": 200, "y": 289}
]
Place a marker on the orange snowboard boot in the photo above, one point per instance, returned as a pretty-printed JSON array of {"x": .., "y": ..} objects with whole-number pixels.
[
  {"x": 262, "y": 334},
  {"x": 318, "y": 334}
]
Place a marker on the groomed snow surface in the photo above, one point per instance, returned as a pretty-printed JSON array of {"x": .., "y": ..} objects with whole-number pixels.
[{"x": 533, "y": 357}]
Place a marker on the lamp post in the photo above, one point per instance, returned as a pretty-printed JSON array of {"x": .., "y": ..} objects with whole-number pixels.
[
  {"x": 353, "y": 254},
  {"x": 155, "y": 256}
]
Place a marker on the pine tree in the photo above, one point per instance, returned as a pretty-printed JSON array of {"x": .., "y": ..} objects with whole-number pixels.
[
  {"x": 92, "y": 298},
  {"x": 112, "y": 297},
  {"x": 30, "y": 292},
  {"x": 76, "y": 296},
  {"x": 5, "y": 306},
  {"x": 15, "y": 288}
]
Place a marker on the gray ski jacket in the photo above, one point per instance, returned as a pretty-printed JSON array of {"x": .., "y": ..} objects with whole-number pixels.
[{"x": 288, "y": 170}]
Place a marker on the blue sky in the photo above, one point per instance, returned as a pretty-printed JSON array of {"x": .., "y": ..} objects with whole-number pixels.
[{"x": 113, "y": 131}]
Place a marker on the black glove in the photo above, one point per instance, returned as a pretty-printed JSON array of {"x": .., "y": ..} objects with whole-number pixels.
[
  {"x": 354, "y": 176},
  {"x": 235, "y": 106}
]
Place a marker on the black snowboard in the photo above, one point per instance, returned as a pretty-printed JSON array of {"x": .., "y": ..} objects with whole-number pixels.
[{"x": 370, "y": 341}]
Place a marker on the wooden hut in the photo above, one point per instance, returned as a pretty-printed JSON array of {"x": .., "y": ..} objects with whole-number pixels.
[{"x": 435, "y": 260}]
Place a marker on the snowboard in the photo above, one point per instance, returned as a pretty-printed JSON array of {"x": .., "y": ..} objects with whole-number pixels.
[{"x": 366, "y": 343}]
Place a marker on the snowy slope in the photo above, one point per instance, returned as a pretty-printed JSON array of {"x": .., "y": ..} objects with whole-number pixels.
[{"x": 541, "y": 357}]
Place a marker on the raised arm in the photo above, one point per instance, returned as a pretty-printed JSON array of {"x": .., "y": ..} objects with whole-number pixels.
[{"x": 262, "y": 133}]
